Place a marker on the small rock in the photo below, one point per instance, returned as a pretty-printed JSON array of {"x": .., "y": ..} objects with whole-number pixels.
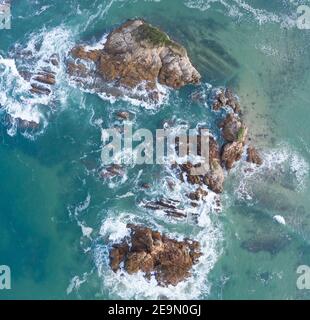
[
  {"x": 124, "y": 115},
  {"x": 145, "y": 186},
  {"x": 253, "y": 156},
  {"x": 46, "y": 78},
  {"x": 37, "y": 89}
]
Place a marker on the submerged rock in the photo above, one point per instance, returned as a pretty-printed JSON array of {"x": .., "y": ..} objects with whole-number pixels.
[
  {"x": 145, "y": 250},
  {"x": 135, "y": 55},
  {"x": 22, "y": 124},
  {"x": 168, "y": 206},
  {"x": 272, "y": 244}
]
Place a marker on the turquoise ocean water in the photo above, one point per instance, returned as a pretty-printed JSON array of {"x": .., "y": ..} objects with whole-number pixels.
[{"x": 57, "y": 216}]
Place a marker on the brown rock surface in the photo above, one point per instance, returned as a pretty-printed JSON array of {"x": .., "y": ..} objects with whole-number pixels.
[
  {"x": 226, "y": 98},
  {"x": 214, "y": 178},
  {"x": 232, "y": 152},
  {"x": 150, "y": 252},
  {"x": 235, "y": 133},
  {"x": 134, "y": 53},
  {"x": 253, "y": 156},
  {"x": 45, "y": 77},
  {"x": 233, "y": 129},
  {"x": 169, "y": 206}
]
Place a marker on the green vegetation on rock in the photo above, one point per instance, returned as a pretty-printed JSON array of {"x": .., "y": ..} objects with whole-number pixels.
[
  {"x": 156, "y": 37},
  {"x": 240, "y": 135}
]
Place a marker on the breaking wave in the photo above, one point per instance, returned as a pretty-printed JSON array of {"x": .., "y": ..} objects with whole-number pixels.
[
  {"x": 19, "y": 107},
  {"x": 281, "y": 166},
  {"x": 240, "y": 9}
]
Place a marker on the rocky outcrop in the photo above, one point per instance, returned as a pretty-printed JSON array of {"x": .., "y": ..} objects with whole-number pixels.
[
  {"x": 145, "y": 250},
  {"x": 42, "y": 80},
  {"x": 235, "y": 134},
  {"x": 112, "y": 171},
  {"x": 198, "y": 195},
  {"x": 40, "y": 76},
  {"x": 225, "y": 97},
  {"x": 214, "y": 178},
  {"x": 21, "y": 123},
  {"x": 123, "y": 115},
  {"x": 253, "y": 156},
  {"x": 233, "y": 129},
  {"x": 169, "y": 206},
  {"x": 135, "y": 55},
  {"x": 232, "y": 152}
]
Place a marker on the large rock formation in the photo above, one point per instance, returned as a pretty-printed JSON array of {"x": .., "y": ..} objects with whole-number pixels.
[
  {"x": 234, "y": 131},
  {"x": 135, "y": 55},
  {"x": 152, "y": 253}
]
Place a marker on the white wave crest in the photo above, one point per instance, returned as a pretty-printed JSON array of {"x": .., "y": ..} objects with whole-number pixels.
[
  {"x": 243, "y": 9},
  {"x": 280, "y": 164},
  {"x": 15, "y": 97}
]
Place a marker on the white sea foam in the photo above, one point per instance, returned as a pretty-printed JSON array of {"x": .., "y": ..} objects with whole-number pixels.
[
  {"x": 279, "y": 163},
  {"x": 279, "y": 219},
  {"x": 126, "y": 195},
  {"x": 76, "y": 213},
  {"x": 82, "y": 206},
  {"x": 15, "y": 96},
  {"x": 42, "y": 9},
  {"x": 86, "y": 231},
  {"x": 99, "y": 45},
  {"x": 115, "y": 231},
  {"x": 243, "y": 9},
  {"x": 12, "y": 100},
  {"x": 76, "y": 282},
  {"x": 101, "y": 11},
  {"x": 140, "y": 96}
]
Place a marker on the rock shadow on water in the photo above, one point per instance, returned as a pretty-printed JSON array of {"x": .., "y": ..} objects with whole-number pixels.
[
  {"x": 200, "y": 38},
  {"x": 267, "y": 243},
  {"x": 262, "y": 233}
]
